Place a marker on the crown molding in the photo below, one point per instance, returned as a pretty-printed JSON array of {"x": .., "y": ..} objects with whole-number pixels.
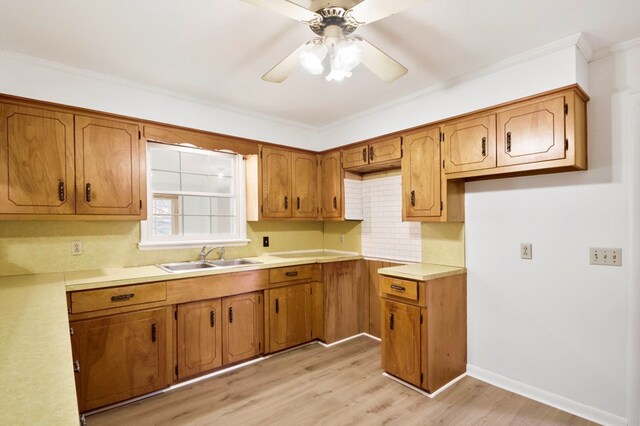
[
  {"x": 578, "y": 40},
  {"x": 615, "y": 49}
]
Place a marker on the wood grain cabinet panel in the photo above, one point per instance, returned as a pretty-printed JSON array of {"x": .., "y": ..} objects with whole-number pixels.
[
  {"x": 343, "y": 300},
  {"x": 36, "y": 161},
  {"x": 470, "y": 144},
  {"x": 109, "y": 167},
  {"x": 276, "y": 183},
  {"x": 243, "y": 330},
  {"x": 421, "y": 174},
  {"x": 401, "y": 341},
  {"x": 304, "y": 183},
  {"x": 355, "y": 157},
  {"x": 331, "y": 185},
  {"x": 386, "y": 150},
  {"x": 289, "y": 316},
  {"x": 532, "y": 132},
  {"x": 119, "y": 357},
  {"x": 199, "y": 337}
]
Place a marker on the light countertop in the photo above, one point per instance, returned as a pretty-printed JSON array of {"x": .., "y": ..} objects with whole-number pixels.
[{"x": 421, "y": 271}]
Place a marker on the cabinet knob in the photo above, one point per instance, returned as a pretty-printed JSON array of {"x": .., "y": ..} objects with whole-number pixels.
[
  {"x": 364, "y": 154},
  {"x": 230, "y": 314},
  {"x": 508, "y": 141},
  {"x": 391, "y": 321},
  {"x": 298, "y": 203},
  {"x": 154, "y": 332},
  {"x": 87, "y": 193},
  {"x": 413, "y": 198},
  {"x": 484, "y": 147},
  {"x": 212, "y": 318},
  {"x": 335, "y": 202},
  {"x": 286, "y": 202},
  {"x": 277, "y": 306},
  {"x": 370, "y": 153}
]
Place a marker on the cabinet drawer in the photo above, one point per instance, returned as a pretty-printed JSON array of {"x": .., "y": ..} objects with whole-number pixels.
[
  {"x": 115, "y": 297},
  {"x": 293, "y": 273},
  {"x": 399, "y": 288}
]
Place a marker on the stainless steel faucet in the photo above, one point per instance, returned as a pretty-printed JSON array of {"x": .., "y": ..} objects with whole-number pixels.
[{"x": 204, "y": 253}]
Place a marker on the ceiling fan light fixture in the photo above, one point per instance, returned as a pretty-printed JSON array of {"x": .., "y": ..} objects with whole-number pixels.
[
  {"x": 312, "y": 56},
  {"x": 345, "y": 56}
]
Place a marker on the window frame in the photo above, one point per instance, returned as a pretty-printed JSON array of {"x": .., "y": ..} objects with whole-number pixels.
[{"x": 149, "y": 242}]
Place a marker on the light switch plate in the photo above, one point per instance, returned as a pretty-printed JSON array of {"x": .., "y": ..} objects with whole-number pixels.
[
  {"x": 605, "y": 256},
  {"x": 525, "y": 251}
]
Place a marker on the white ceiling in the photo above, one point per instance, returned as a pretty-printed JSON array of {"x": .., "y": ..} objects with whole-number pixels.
[{"x": 217, "y": 50}]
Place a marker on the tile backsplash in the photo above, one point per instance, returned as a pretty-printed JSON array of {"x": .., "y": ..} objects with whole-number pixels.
[{"x": 384, "y": 234}]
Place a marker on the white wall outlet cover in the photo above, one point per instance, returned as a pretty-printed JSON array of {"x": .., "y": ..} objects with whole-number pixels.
[
  {"x": 76, "y": 248},
  {"x": 525, "y": 251},
  {"x": 605, "y": 256}
]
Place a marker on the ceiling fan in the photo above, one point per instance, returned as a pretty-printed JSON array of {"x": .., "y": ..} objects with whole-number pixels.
[{"x": 334, "y": 21}]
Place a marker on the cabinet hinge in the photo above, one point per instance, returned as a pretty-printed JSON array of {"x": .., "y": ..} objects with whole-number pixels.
[
  {"x": 421, "y": 378},
  {"x": 566, "y": 109},
  {"x": 441, "y": 137},
  {"x": 566, "y": 144},
  {"x": 176, "y": 370}
]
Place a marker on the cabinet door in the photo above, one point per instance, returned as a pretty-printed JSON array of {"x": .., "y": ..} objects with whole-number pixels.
[
  {"x": 331, "y": 186},
  {"x": 109, "y": 167},
  {"x": 276, "y": 183},
  {"x": 373, "y": 282},
  {"x": 532, "y": 133},
  {"x": 199, "y": 337},
  {"x": 355, "y": 157},
  {"x": 470, "y": 144},
  {"x": 243, "y": 331},
  {"x": 36, "y": 161},
  {"x": 343, "y": 300},
  {"x": 421, "y": 174},
  {"x": 305, "y": 185},
  {"x": 388, "y": 150},
  {"x": 401, "y": 341},
  {"x": 119, "y": 357},
  {"x": 289, "y": 316}
]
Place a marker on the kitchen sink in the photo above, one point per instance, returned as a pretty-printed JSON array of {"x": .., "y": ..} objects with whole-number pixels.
[
  {"x": 199, "y": 265},
  {"x": 232, "y": 262}
]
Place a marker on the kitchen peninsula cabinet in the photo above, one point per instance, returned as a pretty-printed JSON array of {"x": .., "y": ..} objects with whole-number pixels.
[
  {"x": 424, "y": 329},
  {"x": 120, "y": 356}
]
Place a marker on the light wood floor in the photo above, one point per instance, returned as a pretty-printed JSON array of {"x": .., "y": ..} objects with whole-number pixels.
[{"x": 330, "y": 386}]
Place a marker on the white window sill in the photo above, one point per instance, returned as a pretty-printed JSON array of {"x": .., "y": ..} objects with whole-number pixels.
[{"x": 176, "y": 245}]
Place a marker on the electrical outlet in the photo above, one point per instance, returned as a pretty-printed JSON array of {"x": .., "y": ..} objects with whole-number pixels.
[
  {"x": 265, "y": 241},
  {"x": 525, "y": 251},
  {"x": 605, "y": 256},
  {"x": 342, "y": 238},
  {"x": 76, "y": 248}
]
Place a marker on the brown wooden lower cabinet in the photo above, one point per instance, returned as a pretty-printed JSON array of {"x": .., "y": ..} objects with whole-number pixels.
[
  {"x": 289, "y": 316},
  {"x": 424, "y": 329},
  {"x": 344, "y": 292},
  {"x": 199, "y": 337},
  {"x": 119, "y": 357},
  {"x": 243, "y": 329}
]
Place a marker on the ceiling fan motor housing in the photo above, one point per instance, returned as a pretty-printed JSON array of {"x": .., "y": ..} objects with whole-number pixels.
[{"x": 334, "y": 13}]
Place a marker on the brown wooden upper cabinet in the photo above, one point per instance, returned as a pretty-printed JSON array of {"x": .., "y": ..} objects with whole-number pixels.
[
  {"x": 421, "y": 184},
  {"x": 331, "y": 185},
  {"x": 55, "y": 163},
  {"x": 532, "y": 132},
  {"x": 469, "y": 144},
  {"x": 304, "y": 185},
  {"x": 109, "y": 167},
  {"x": 36, "y": 161},
  {"x": 385, "y": 151},
  {"x": 289, "y": 184}
]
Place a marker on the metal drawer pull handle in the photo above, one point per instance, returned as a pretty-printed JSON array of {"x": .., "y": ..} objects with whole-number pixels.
[
  {"x": 298, "y": 203},
  {"x": 484, "y": 147},
  {"x": 154, "y": 332},
  {"x": 122, "y": 297},
  {"x": 370, "y": 153},
  {"x": 413, "y": 198},
  {"x": 76, "y": 366},
  {"x": 277, "y": 306},
  {"x": 87, "y": 195},
  {"x": 61, "y": 195},
  {"x": 212, "y": 318},
  {"x": 230, "y": 314},
  {"x": 364, "y": 154},
  {"x": 286, "y": 202},
  {"x": 391, "y": 321},
  {"x": 335, "y": 202},
  {"x": 397, "y": 287},
  {"x": 291, "y": 274},
  {"x": 508, "y": 141}
]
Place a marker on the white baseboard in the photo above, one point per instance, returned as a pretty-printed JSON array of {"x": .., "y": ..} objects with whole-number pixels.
[{"x": 545, "y": 397}]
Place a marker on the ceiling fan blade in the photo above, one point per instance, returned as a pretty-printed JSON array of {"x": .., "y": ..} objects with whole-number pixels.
[
  {"x": 381, "y": 64},
  {"x": 372, "y": 10},
  {"x": 285, "y": 68},
  {"x": 286, "y": 8}
]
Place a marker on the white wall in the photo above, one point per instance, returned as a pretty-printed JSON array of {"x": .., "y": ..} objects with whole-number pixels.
[
  {"x": 556, "y": 323},
  {"x": 43, "y": 80}
]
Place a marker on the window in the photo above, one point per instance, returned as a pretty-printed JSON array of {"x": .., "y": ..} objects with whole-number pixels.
[{"x": 195, "y": 197}]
